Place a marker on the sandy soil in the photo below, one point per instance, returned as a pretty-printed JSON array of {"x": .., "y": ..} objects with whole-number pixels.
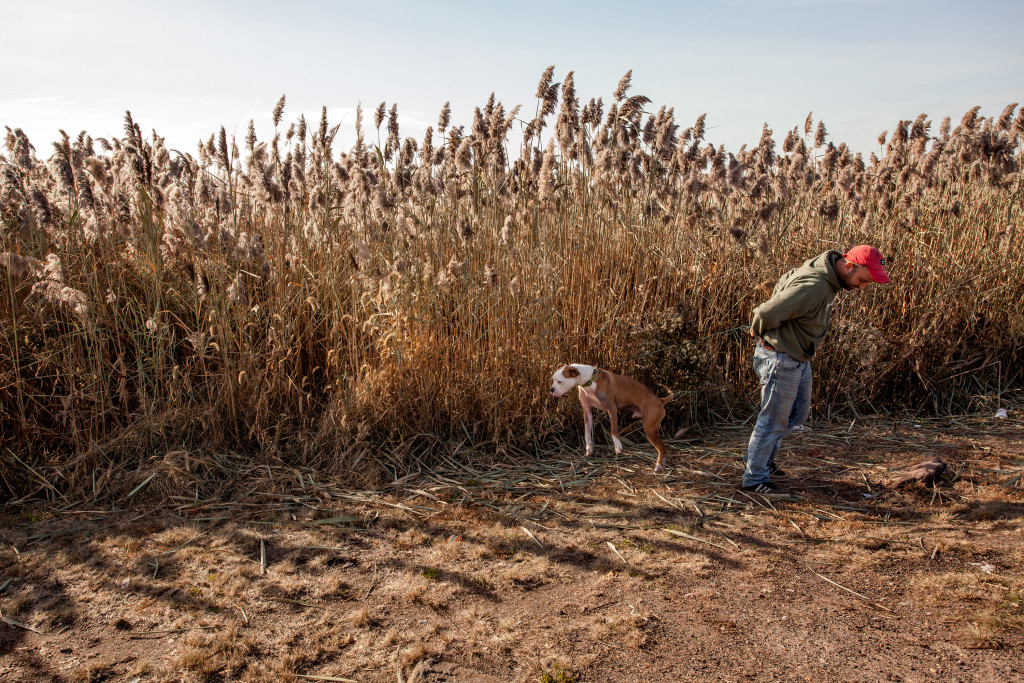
[{"x": 548, "y": 569}]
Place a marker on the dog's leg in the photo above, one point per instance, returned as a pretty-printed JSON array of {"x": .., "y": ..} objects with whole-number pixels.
[
  {"x": 588, "y": 428},
  {"x": 652, "y": 424},
  {"x": 659, "y": 445},
  {"x": 613, "y": 418}
]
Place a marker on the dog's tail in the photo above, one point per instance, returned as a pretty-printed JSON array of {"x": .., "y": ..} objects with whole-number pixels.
[{"x": 671, "y": 394}]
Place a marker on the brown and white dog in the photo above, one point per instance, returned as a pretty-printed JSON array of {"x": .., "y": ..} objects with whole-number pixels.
[{"x": 612, "y": 393}]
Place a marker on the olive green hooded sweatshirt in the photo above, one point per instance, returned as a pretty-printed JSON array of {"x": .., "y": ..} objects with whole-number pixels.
[{"x": 794, "y": 320}]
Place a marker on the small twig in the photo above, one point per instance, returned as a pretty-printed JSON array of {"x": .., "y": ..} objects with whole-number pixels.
[
  {"x": 734, "y": 543},
  {"x": 298, "y": 602},
  {"x": 372, "y": 583},
  {"x": 12, "y": 622},
  {"x": 143, "y": 634},
  {"x": 43, "y": 479},
  {"x": 754, "y": 500},
  {"x": 616, "y": 551},
  {"x": 675, "y": 505},
  {"x": 188, "y": 542},
  {"x": 935, "y": 551},
  {"x": 852, "y": 592},
  {"x": 603, "y": 605},
  {"x": 263, "y": 558},
  {"x": 139, "y": 487},
  {"x": 694, "y": 538},
  {"x": 530, "y": 534}
]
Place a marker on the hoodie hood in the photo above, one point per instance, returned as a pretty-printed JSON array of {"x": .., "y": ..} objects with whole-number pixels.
[{"x": 824, "y": 266}]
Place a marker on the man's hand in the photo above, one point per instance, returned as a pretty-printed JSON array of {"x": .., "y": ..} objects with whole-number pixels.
[{"x": 751, "y": 330}]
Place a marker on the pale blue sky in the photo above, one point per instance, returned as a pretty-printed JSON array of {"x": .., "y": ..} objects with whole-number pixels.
[{"x": 186, "y": 68}]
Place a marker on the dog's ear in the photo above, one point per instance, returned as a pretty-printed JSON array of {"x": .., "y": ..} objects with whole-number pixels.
[{"x": 570, "y": 371}]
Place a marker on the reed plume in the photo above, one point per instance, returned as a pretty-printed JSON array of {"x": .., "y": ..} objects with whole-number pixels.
[
  {"x": 341, "y": 308},
  {"x": 278, "y": 112}
]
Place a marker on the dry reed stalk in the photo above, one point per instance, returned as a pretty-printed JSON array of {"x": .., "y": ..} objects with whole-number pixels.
[{"x": 363, "y": 316}]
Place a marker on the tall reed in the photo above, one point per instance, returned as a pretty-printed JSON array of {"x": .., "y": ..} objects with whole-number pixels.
[{"x": 365, "y": 310}]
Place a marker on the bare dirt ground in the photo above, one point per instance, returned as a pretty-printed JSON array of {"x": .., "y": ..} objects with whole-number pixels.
[{"x": 551, "y": 569}]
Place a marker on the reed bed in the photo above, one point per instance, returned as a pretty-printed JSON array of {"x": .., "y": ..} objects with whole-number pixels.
[{"x": 369, "y": 311}]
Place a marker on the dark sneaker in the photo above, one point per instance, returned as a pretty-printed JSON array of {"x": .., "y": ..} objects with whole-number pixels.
[
  {"x": 766, "y": 489},
  {"x": 776, "y": 471}
]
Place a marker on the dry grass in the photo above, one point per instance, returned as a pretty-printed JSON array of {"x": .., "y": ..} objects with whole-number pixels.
[
  {"x": 172, "y": 322},
  {"x": 359, "y": 601}
]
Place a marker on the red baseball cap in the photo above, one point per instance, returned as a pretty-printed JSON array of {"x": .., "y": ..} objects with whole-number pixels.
[{"x": 869, "y": 257}]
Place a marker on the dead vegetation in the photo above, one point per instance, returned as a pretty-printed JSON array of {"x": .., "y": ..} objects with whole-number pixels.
[
  {"x": 548, "y": 569},
  {"x": 169, "y": 317}
]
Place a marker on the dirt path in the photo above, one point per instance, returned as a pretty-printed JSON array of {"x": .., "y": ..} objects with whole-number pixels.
[{"x": 553, "y": 569}]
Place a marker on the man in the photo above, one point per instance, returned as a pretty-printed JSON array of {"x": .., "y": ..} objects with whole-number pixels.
[{"x": 788, "y": 328}]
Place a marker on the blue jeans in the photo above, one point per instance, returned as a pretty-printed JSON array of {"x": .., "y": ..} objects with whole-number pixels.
[{"x": 785, "y": 405}]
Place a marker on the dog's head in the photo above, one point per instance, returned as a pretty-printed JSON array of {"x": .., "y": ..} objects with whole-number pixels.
[{"x": 564, "y": 379}]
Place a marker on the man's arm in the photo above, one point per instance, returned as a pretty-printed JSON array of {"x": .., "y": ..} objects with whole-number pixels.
[{"x": 790, "y": 303}]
